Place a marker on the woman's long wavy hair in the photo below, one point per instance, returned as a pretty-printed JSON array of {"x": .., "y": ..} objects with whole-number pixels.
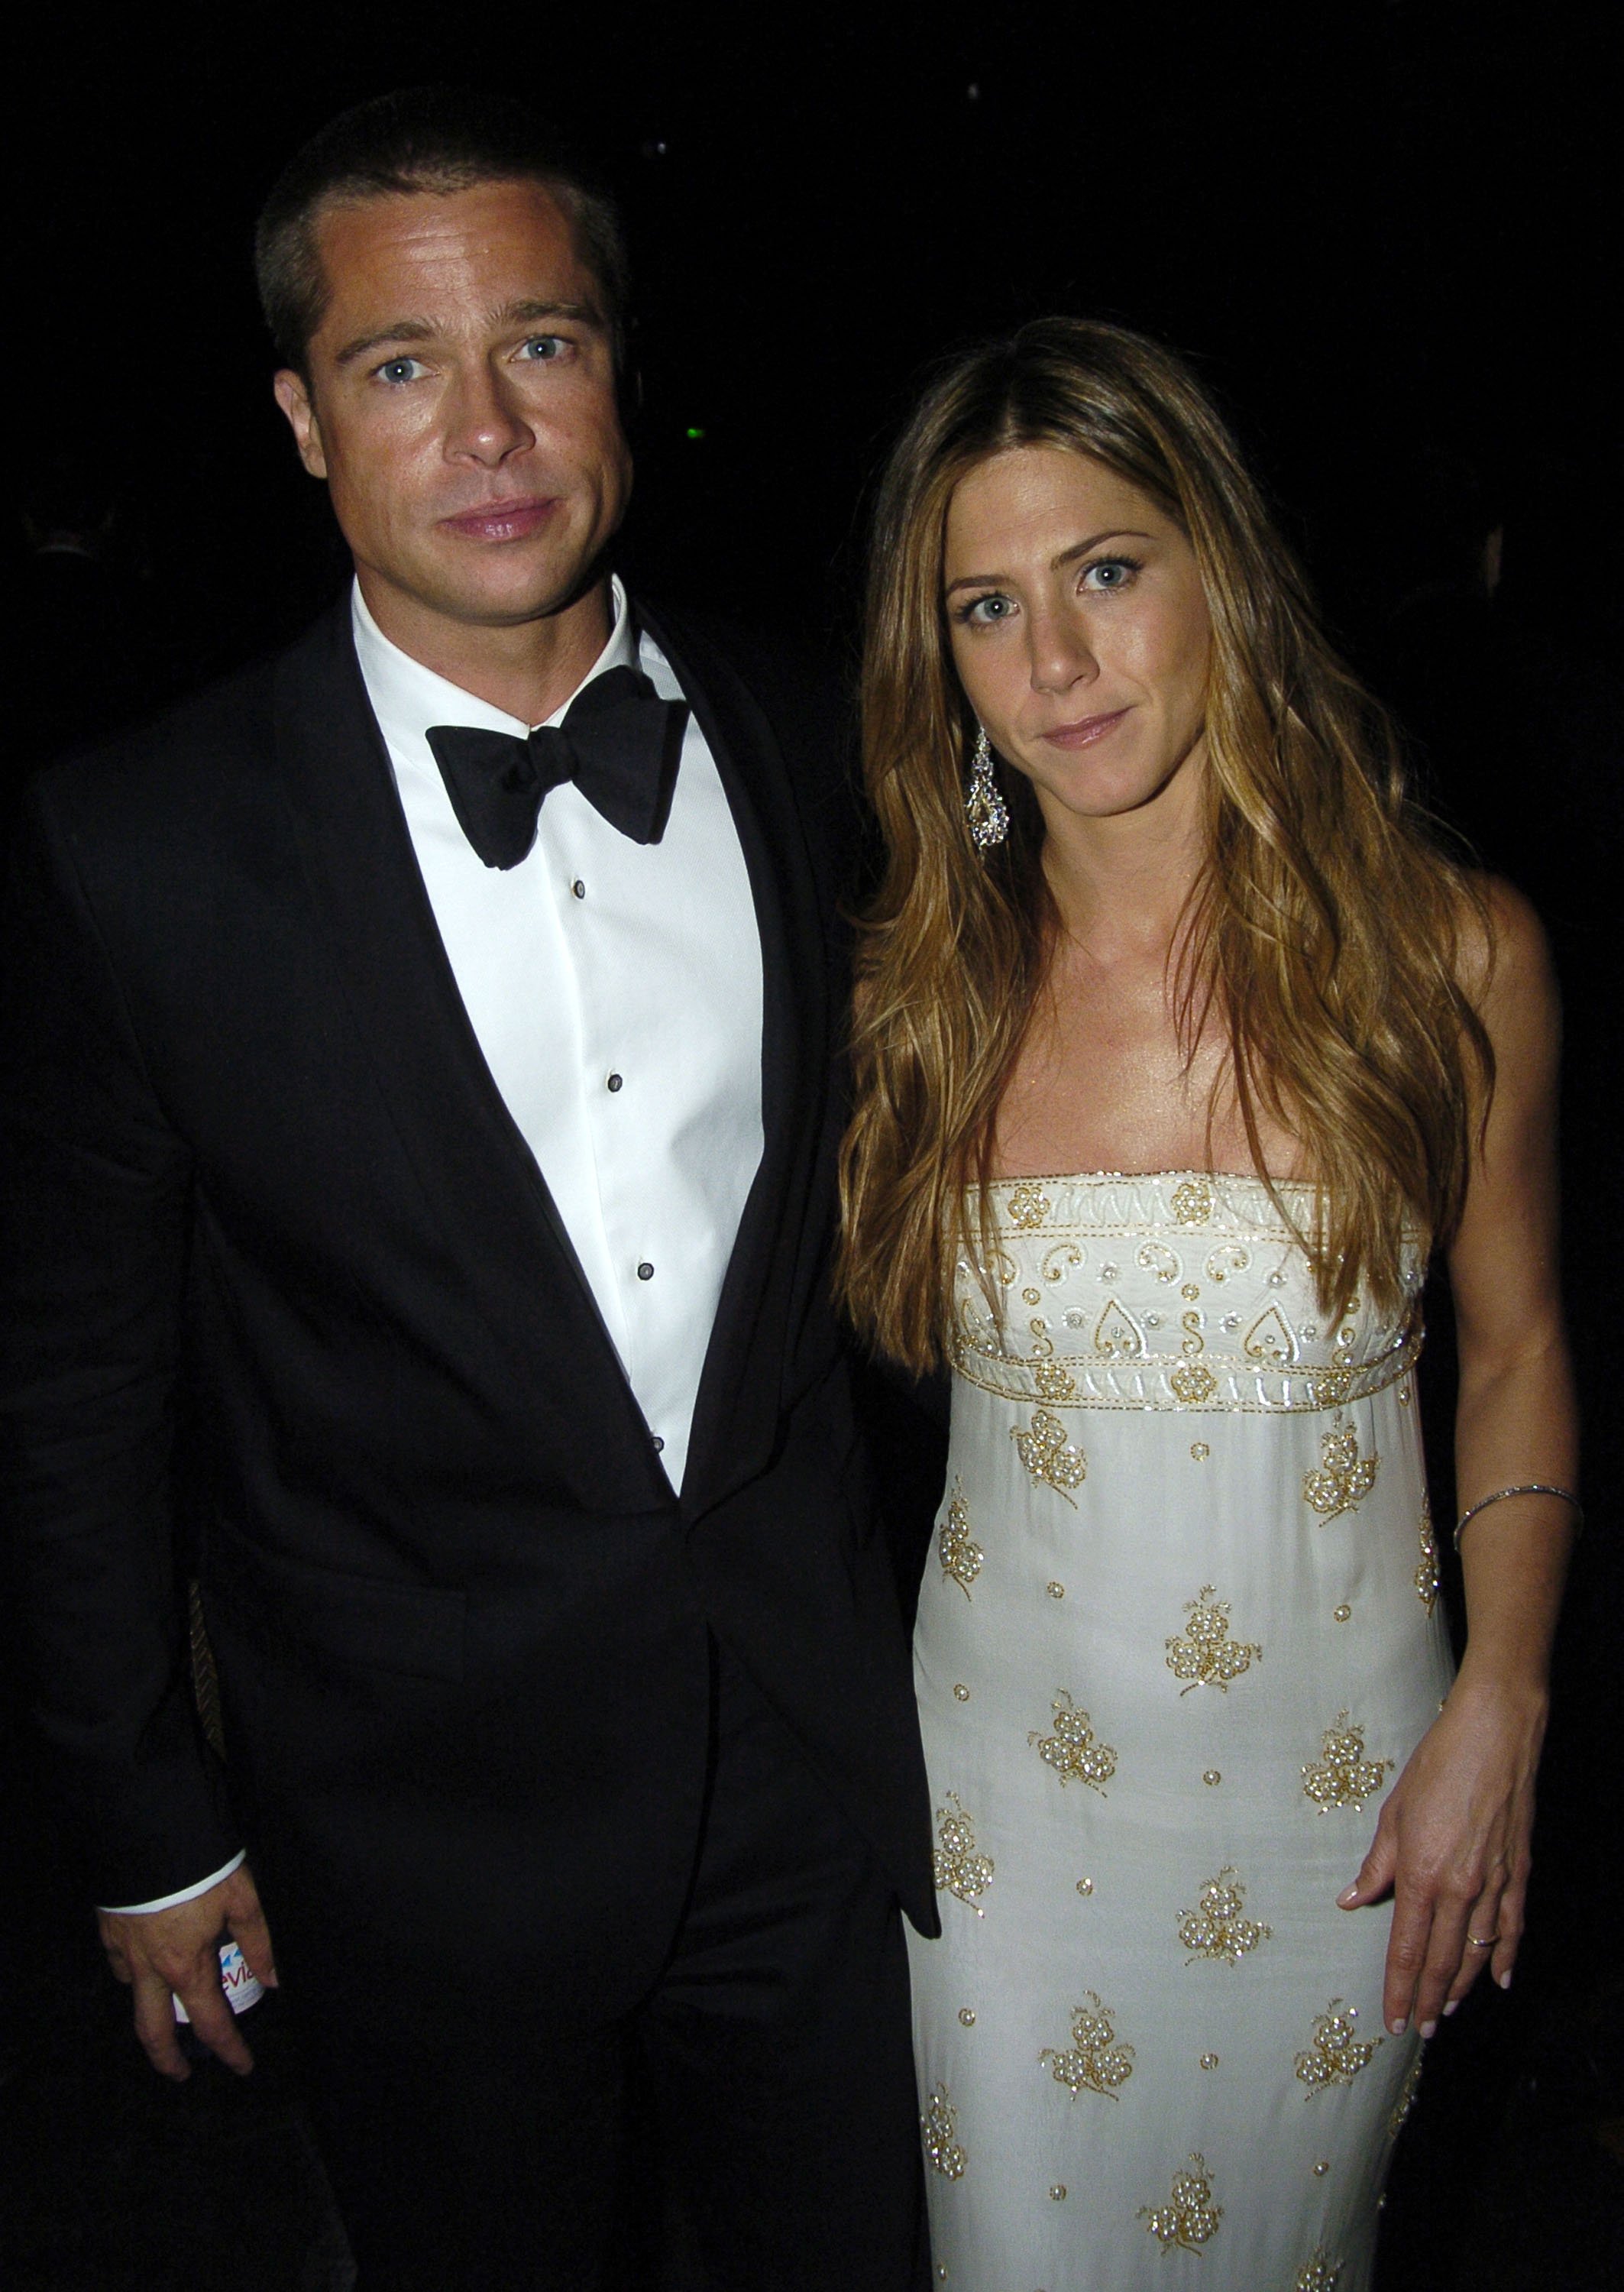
[{"x": 1324, "y": 933}]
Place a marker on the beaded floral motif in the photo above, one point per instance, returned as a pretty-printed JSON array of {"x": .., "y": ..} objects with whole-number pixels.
[
  {"x": 955, "y": 1865},
  {"x": 1335, "y": 2055},
  {"x": 1193, "y": 1381},
  {"x": 1095, "y": 2062},
  {"x": 1072, "y": 1750},
  {"x": 1343, "y": 1476},
  {"x": 939, "y": 2129},
  {"x": 1319, "y": 2273},
  {"x": 1053, "y": 1379},
  {"x": 1215, "y": 1928},
  {"x": 1205, "y": 1656},
  {"x": 960, "y": 1553},
  {"x": 1405, "y": 2103},
  {"x": 1193, "y": 1202},
  {"x": 1049, "y": 1456},
  {"x": 1189, "y": 2216},
  {"x": 1029, "y": 1205},
  {"x": 1343, "y": 1776},
  {"x": 1426, "y": 1573}
]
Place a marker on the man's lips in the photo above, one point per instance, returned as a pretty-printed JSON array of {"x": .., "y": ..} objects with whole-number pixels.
[
  {"x": 1085, "y": 731},
  {"x": 502, "y": 520}
]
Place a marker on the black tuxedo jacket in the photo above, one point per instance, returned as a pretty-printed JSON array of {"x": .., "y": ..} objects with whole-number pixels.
[{"x": 269, "y": 1215}]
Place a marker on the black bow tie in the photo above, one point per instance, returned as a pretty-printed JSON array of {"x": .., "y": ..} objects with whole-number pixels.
[{"x": 619, "y": 742}]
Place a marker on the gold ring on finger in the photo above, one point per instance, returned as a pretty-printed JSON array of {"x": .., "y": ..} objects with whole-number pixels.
[{"x": 1483, "y": 1941}]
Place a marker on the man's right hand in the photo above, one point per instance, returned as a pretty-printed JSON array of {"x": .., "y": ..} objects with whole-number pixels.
[{"x": 157, "y": 1952}]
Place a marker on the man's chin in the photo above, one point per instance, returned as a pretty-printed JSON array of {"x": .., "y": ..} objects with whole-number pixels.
[{"x": 504, "y": 599}]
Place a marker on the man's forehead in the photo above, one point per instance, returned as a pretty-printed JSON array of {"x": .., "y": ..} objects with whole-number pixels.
[{"x": 516, "y": 230}]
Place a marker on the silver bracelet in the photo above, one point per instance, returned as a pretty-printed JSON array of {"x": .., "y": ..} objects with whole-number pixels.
[{"x": 1523, "y": 1488}]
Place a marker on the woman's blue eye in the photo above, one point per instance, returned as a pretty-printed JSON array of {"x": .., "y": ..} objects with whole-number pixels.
[{"x": 1112, "y": 572}]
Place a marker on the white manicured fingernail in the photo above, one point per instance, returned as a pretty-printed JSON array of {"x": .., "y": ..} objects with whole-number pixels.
[
  {"x": 1396, "y": 2028},
  {"x": 1429, "y": 2028},
  {"x": 1504, "y": 1979},
  {"x": 1451, "y": 2007}
]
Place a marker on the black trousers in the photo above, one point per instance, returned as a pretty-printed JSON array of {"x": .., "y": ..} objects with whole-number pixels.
[{"x": 750, "y": 2127}]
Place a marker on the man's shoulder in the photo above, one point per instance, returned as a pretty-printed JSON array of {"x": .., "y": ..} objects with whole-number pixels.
[
  {"x": 198, "y": 750},
  {"x": 793, "y": 683}
]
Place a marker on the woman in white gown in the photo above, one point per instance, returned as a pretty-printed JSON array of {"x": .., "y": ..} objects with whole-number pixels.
[{"x": 1220, "y": 1836}]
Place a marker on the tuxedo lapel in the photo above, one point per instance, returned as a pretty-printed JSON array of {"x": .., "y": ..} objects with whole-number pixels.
[
  {"x": 739, "y": 1394},
  {"x": 478, "y": 1180}
]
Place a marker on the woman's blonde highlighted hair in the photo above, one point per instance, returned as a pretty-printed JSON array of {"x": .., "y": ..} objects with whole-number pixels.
[{"x": 1324, "y": 934}]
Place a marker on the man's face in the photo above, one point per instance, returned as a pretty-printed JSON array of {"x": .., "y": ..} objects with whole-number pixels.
[{"x": 461, "y": 405}]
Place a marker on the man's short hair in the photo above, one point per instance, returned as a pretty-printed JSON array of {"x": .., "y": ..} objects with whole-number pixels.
[{"x": 428, "y": 139}]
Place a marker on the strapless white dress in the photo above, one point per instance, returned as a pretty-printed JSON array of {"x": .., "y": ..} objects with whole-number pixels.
[{"x": 1178, "y": 1637}]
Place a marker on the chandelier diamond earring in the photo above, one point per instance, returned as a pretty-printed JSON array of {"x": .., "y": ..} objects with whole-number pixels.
[{"x": 985, "y": 808}]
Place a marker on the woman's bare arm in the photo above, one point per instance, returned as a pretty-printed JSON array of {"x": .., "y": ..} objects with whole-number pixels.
[{"x": 1453, "y": 1837}]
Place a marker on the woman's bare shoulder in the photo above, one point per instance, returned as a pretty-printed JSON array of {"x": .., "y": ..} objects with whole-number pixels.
[{"x": 1502, "y": 956}]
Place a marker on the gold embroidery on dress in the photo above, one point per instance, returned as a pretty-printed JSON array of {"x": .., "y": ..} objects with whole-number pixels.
[
  {"x": 1072, "y": 1750},
  {"x": 1095, "y": 2062},
  {"x": 1270, "y": 1340},
  {"x": 960, "y": 1553},
  {"x": 1335, "y": 2056},
  {"x": 939, "y": 2127},
  {"x": 1329, "y": 1388},
  {"x": 1189, "y": 2216},
  {"x": 1049, "y": 1456},
  {"x": 1193, "y": 1380},
  {"x": 1405, "y": 2103},
  {"x": 1205, "y": 1656},
  {"x": 1343, "y": 1776},
  {"x": 1029, "y": 1205},
  {"x": 1156, "y": 1257},
  {"x": 956, "y": 1867},
  {"x": 1053, "y": 1379},
  {"x": 1344, "y": 1477},
  {"x": 1215, "y": 1928},
  {"x": 1427, "y": 1574},
  {"x": 1193, "y": 1202},
  {"x": 1117, "y": 1335},
  {"x": 1319, "y": 2273},
  {"x": 1059, "y": 1258},
  {"x": 1229, "y": 1258}
]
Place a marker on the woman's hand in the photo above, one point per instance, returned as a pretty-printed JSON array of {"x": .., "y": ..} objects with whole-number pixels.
[{"x": 1453, "y": 1841}]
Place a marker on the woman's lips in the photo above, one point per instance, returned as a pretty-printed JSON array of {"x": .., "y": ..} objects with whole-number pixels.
[
  {"x": 1085, "y": 731},
  {"x": 504, "y": 520}
]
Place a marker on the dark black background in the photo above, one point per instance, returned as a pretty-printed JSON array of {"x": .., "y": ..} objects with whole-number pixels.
[{"x": 1385, "y": 231}]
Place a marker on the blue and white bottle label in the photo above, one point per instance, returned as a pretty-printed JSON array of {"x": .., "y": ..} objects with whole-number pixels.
[{"x": 241, "y": 1984}]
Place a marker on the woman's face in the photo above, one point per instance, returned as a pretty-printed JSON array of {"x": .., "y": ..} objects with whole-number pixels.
[{"x": 1080, "y": 630}]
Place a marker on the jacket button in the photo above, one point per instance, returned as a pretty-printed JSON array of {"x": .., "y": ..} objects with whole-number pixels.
[
  {"x": 614, "y": 1082},
  {"x": 644, "y": 1272}
]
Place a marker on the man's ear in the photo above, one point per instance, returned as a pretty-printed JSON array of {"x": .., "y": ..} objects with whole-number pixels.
[{"x": 293, "y": 397}]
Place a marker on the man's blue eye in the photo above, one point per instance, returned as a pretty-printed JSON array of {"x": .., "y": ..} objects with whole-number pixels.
[{"x": 397, "y": 369}]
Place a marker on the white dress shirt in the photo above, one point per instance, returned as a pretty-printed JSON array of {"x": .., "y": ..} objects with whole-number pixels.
[{"x": 616, "y": 991}]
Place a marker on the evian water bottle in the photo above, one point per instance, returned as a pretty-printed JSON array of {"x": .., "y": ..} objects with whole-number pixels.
[{"x": 237, "y": 1979}]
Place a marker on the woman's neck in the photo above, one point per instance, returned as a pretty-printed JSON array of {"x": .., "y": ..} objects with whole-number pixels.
[{"x": 1121, "y": 884}]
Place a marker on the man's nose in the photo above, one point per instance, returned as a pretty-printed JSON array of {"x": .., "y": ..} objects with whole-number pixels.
[{"x": 487, "y": 418}]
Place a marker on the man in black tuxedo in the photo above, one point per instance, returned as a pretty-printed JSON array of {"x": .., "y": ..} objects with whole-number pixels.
[{"x": 437, "y": 1116}]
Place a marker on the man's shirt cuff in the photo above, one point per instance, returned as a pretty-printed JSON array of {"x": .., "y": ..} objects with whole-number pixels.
[{"x": 169, "y": 1901}]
